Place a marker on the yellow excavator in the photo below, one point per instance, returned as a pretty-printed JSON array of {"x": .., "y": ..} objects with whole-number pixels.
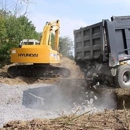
[{"x": 38, "y": 59}]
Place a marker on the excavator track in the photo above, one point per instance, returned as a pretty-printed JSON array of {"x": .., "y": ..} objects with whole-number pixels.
[{"x": 38, "y": 71}]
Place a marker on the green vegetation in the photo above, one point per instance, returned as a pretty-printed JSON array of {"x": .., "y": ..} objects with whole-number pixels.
[{"x": 66, "y": 47}]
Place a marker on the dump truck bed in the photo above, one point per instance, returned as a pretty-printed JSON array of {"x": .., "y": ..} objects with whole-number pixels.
[{"x": 91, "y": 41}]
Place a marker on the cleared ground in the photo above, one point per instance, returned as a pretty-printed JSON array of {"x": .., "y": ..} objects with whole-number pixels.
[{"x": 48, "y": 104}]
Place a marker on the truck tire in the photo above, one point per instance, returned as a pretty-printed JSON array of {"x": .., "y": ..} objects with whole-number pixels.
[{"x": 122, "y": 78}]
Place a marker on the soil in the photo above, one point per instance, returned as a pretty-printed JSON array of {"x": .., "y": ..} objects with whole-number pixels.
[
  {"x": 107, "y": 120},
  {"x": 115, "y": 104}
]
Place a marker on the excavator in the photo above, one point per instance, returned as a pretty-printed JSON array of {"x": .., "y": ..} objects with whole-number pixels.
[{"x": 39, "y": 60}]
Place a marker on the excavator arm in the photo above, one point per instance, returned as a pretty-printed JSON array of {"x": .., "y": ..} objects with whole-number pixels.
[{"x": 49, "y": 28}]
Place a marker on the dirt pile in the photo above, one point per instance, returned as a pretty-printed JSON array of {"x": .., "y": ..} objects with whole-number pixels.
[
  {"x": 65, "y": 62},
  {"x": 108, "y": 120},
  {"x": 75, "y": 69}
]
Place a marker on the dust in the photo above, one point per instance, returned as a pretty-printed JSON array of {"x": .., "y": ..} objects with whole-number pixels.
[
  {"x": 77, "y": 88},
  {"x": 64, "y": 93},
  {"x": 76, "y": 72},
  {"x": 68, "y": 96}
]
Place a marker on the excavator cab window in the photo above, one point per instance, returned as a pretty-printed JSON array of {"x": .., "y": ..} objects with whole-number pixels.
[{"x": 29, "y": 42}]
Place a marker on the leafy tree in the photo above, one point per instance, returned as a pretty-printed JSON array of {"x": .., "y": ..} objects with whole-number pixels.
[
  {"x": 52, "y": 41},
  {"x": 12, "y": 27},
  {"x": 66, "y": 47},
  {"x": 20, "y": 28},
  {"x": 5, "y": 53},
  {"x": 26, "y": 27},
  {"x": 2, "y": 29}
]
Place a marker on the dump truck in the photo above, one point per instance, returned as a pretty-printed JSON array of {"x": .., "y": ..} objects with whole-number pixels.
[
  {"x": 102, "y": 51},
  {"x": 39, "y": 59}
]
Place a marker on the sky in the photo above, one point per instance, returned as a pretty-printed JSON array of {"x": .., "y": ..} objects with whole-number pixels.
[{"x": 74, "y": 14}]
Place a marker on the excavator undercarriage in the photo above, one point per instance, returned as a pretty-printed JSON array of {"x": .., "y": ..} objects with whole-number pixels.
[{"x": 36, "y": 70}]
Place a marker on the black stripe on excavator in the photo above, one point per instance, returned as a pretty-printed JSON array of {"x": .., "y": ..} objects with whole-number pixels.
[{"x": 27, "y": 55}]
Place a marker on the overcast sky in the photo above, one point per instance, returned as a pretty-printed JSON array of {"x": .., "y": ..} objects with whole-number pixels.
[{"x": 74, "y": 14}]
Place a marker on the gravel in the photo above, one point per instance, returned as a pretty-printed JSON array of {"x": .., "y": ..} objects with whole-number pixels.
[
  {"x": 15, "y": 100},
  {"x": 11, "y": 106},
  {"x": 27, "y": 102}
]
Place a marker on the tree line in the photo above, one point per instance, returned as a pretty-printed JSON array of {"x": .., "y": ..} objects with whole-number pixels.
[{"x": 15, "y": 28}]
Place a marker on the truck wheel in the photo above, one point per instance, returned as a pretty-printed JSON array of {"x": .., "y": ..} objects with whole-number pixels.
[{"x": 122, "y": 78}]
